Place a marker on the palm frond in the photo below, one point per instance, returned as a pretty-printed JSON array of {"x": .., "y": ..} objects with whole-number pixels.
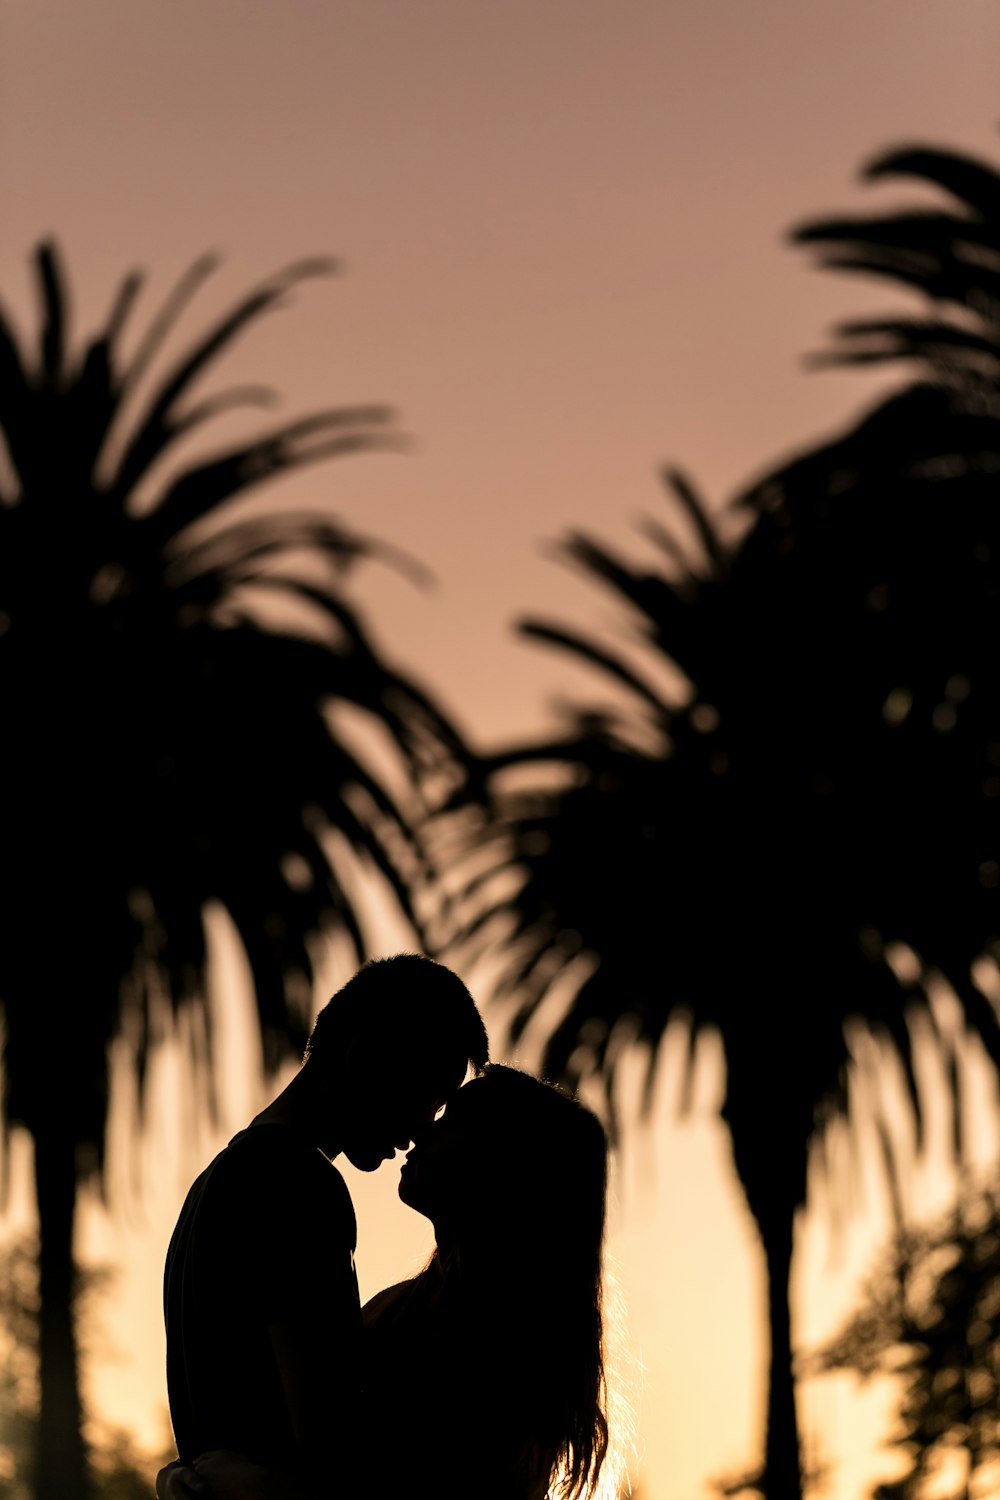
[
  {"x": 158, "y": 428},
  {"x": 875, "y": 340},
  {"x": 579, "y": 645},
  {"x": 201, "y": 490},
  {"x": 948, "y": 256},
  {"x": 683, "y": 490},
  {"x": 973, "y": 182},
  {"x": 53, "y": 341}
]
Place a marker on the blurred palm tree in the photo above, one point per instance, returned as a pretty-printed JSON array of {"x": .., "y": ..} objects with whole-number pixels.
[
  {"x": 168, "y": 741},
  {"x": 789, "y": 820},
  {"x": 929, "y": 1318},
  {"x": 120, "y": 1470}
]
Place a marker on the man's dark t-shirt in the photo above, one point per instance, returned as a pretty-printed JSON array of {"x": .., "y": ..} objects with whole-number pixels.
[{"x": 266, "y": 1236}]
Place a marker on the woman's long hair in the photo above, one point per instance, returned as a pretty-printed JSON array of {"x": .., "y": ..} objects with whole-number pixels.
[{"x": 520, "y": 1275}]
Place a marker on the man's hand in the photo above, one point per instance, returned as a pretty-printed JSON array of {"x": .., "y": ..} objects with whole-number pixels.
[
  {"x": 179, "y": 1482},
  {"x": 222, "y": 1475}
]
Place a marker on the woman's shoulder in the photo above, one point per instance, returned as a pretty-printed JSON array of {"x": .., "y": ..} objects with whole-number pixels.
[{"x": 386, "y": 1301}]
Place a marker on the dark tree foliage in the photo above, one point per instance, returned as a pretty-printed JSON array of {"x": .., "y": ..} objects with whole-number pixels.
[
  {"x": 748, "y": 851},
  {"x": 120, "y": 1471},
  {"x": 168, "y": 739},
  {"x": 930, "y": 1316},
  {"x": 18, "y": 1369}
]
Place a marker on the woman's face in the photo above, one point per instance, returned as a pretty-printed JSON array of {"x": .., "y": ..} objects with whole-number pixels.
[{"x": 440, "y": 1169}]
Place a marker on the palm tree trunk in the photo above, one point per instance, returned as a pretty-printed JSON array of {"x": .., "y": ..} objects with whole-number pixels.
[
  {"x": 782, "y": 1455},
  {"x": 61, "y": 1469}
]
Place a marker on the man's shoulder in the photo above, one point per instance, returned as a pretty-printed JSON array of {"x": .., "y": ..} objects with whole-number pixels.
[
  {"x": 276, "y": 1163},
  {"x": 267, "y": 1189},
  {"x": 282, "y": 1164}
]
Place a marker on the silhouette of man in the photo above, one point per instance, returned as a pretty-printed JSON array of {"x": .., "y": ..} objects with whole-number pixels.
[{"x": 261, "y": 1299}]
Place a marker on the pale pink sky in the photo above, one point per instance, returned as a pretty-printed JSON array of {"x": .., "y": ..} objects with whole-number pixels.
[{"x": 561, "y": 222}]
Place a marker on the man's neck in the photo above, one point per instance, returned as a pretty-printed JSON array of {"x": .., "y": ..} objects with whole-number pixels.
[{"x": 297, "y": 1107}]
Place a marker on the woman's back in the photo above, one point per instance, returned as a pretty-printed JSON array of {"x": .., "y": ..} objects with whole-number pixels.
[{"x": 442, "y": 1408}]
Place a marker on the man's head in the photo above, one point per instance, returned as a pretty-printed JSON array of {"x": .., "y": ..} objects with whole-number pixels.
[{"x": 395, "y": 1043}]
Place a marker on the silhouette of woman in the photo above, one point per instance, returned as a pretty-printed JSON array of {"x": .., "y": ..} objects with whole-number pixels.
[{"x": 484, "y": 1373}]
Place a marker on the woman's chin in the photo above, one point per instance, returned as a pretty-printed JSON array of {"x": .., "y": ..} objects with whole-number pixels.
[
  {"x": 410, "y": 1194},
  {"x": 405, "y": 1188}
]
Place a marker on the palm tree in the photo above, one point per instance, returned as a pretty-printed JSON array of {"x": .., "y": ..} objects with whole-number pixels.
[
  {"x": 805, "y": 834},
  {"x": 168, "y": 741},
  {"x": 929, "y": 1315}
]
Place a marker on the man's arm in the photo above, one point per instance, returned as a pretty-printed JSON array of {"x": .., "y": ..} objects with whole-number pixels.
[
  {"x": 317, "y": 1351},
  {"x": 292, "y": 1225}
]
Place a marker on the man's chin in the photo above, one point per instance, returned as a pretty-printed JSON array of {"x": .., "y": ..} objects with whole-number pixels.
[{"x": 368, "y": 1160}]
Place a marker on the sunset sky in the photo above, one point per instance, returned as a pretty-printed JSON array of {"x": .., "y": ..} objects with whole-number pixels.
[{"x": 561, "y": 227}]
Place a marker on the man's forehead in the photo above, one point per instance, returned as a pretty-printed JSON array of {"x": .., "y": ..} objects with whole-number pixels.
[{"x": 430, "y": 1076}]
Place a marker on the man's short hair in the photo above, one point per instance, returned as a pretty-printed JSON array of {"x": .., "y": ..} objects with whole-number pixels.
[{"x": 406, "y": 1003}]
